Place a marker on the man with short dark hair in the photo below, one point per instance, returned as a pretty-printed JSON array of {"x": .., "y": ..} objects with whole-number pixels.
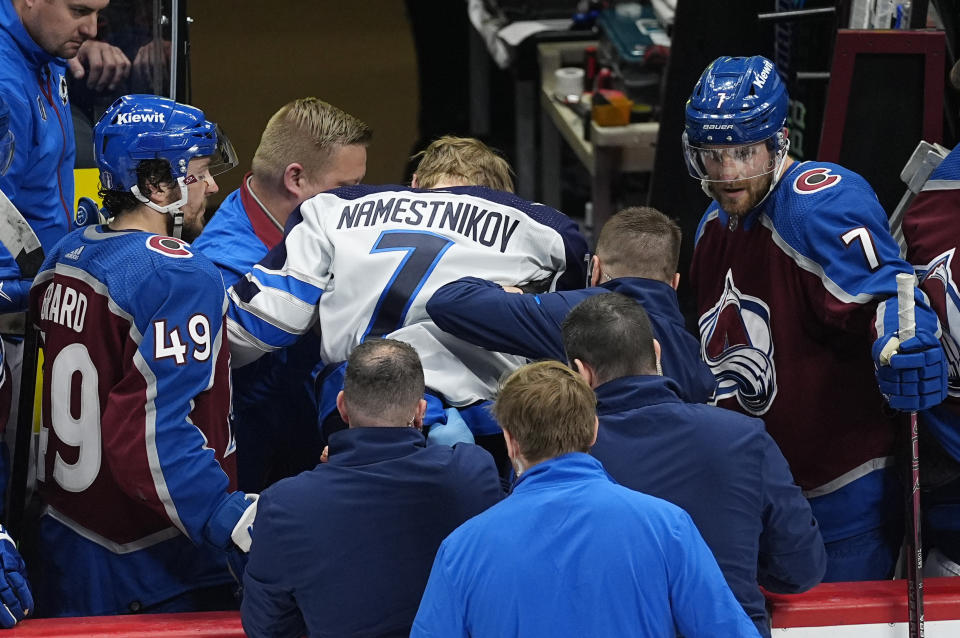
[
  {"x": 136, "y": 466},
  {"x": 637, "y": 254},
  {"x": 345, "y": 549},
  {"x": 719, "y": 466},
  {"x": 570, "y": 552}
]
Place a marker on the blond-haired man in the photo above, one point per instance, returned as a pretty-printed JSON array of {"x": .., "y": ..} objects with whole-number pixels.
[
  {"x": 461, "y": 161},
  {"x": 307, "y": 147},
  {"x": 570, "y": 552}
]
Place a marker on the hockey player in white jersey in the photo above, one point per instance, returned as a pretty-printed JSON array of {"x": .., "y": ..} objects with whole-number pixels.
[{"x": 363, "y": 260}]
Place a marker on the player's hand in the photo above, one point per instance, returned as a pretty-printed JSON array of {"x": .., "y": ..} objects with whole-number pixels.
[
  {"x": 104, "y": 65},
  {"x": 152, "y": 58},
  {"x": 513, "y": 289},
  {"x": 16, "y": 601},
  {"x": 916, "y": 376}
]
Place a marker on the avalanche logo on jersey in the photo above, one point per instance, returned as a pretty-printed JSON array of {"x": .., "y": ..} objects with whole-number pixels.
[
  {"x": 936, "y": 280},
  {"x": 736, "y": 342},
  {"x": 813, "y": 180},
  {"x": 169, "y": 246}
]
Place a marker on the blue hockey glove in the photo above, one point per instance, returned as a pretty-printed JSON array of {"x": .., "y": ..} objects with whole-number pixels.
[
  {"x": 14, "y": 294},
  {"x": 88, "y": 213},
  {"x": 16, "y": 601},
  {"x": 454, "y": 431},
  {"x": 231, "y": 522},
  {"x": 916, "y": 376}
]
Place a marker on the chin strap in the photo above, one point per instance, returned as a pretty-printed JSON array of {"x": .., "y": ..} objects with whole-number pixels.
[{"x": 174, "y": 209}]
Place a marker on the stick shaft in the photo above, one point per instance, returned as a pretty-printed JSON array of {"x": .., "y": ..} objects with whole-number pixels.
[{"x": 906, "y": 330}]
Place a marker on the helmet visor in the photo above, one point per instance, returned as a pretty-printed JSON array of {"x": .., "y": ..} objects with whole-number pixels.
[
  {"x": 224, "y": 157},
  {"x": 732, "y": 163},
  {"x": 6, "y": 152}
]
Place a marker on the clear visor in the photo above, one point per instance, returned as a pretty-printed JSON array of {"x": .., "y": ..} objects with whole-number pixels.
[
  {"x": 733, "y": 163},
  {"x": 6, "y": 152},
  {"x": 224, "y": 157}
]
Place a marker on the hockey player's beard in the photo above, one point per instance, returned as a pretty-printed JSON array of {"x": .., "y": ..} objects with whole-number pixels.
[
  {"x": 740, "y": 197},
  {"x": 192, "y": 227}
]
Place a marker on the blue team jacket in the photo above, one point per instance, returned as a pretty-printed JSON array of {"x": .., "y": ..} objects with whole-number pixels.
[
  {"x": 482, "y": 313},
  {"x": 274, "y": 410},
  {"x": 345, "y": 549},
  {"x": 571, "y": 553},
  {"x": 726, "y": 472},
  {"x": 40, "y": 179}
]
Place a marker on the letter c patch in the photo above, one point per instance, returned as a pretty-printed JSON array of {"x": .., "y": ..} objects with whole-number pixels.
[{"x": 814, "y": 179}]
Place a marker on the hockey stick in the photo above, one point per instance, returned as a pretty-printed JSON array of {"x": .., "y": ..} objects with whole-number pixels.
[{"x": 906, "y": 330}]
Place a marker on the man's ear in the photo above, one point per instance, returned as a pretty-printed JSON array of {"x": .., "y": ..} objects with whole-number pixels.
[
  {"x": 512, "y": 448},
  {"x": 294, "y": 178},
  {"x": 159, "y": 193},
  {"x": 418, "y": 417},
  {"x": 596, "y": 429},
  {"x": 594, "y": 270},
  {"x": 586, "y": 371},
  {"x": 676, "y": 280},
  {"x": 342, "y": 408},
  {"x": 656, "y": 354},
  {"x": 413, "y": 181}
]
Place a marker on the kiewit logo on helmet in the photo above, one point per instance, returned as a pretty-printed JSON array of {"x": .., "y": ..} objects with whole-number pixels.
[
  {"x": 130, "y": 118},
  {"x": 717, "y": 127},
  {"x": 764, "y": 74}
]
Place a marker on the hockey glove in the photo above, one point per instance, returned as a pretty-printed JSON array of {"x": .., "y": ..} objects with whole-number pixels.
[
  {"x": 16, "y": 601},
  {"x": 915, "y": 378},
  {"x": 232, "y": 521},
  {"x": 454, "y": 431}
]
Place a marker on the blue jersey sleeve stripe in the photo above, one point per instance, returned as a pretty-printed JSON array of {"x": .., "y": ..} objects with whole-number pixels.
[{"x": 284, "y": 284}]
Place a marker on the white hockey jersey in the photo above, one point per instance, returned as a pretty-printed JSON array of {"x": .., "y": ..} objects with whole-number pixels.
[{"x": 365, "y": 260}]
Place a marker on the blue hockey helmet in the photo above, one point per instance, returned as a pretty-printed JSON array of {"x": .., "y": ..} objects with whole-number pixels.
[
  {"x": 736, "y": 104},
  {"x": 6, "y": 137},
  {"x": 737, "y": 101},
  {"x": 145, "y": 127}
]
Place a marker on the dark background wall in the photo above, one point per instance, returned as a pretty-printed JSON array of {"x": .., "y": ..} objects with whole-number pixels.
[{"x": 249, "y": 58}]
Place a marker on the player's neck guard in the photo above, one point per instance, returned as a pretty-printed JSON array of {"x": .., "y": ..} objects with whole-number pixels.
[{"x": 174, "y": 209}]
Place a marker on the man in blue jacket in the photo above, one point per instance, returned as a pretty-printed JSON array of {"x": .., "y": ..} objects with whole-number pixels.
[
  {"x": 637, "y": 254},
  {"x": 307, "y": 147},
  {"x": 570, "y": 552},
  {"x": 720, "y": 466},
  {"x": 345, "y": 549},
  {"x": 37, "y": 37}
]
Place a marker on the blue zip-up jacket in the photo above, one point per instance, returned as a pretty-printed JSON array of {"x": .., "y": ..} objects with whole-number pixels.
[
  {"x": 39, "y": 181},
  {"x": 274, "y": 410},
  {"x": 345, "y": 549},
  {"x": 482, "y": 313},
  {"x": 726, "y": 472},
  {"x": 571, "y": 553}
]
